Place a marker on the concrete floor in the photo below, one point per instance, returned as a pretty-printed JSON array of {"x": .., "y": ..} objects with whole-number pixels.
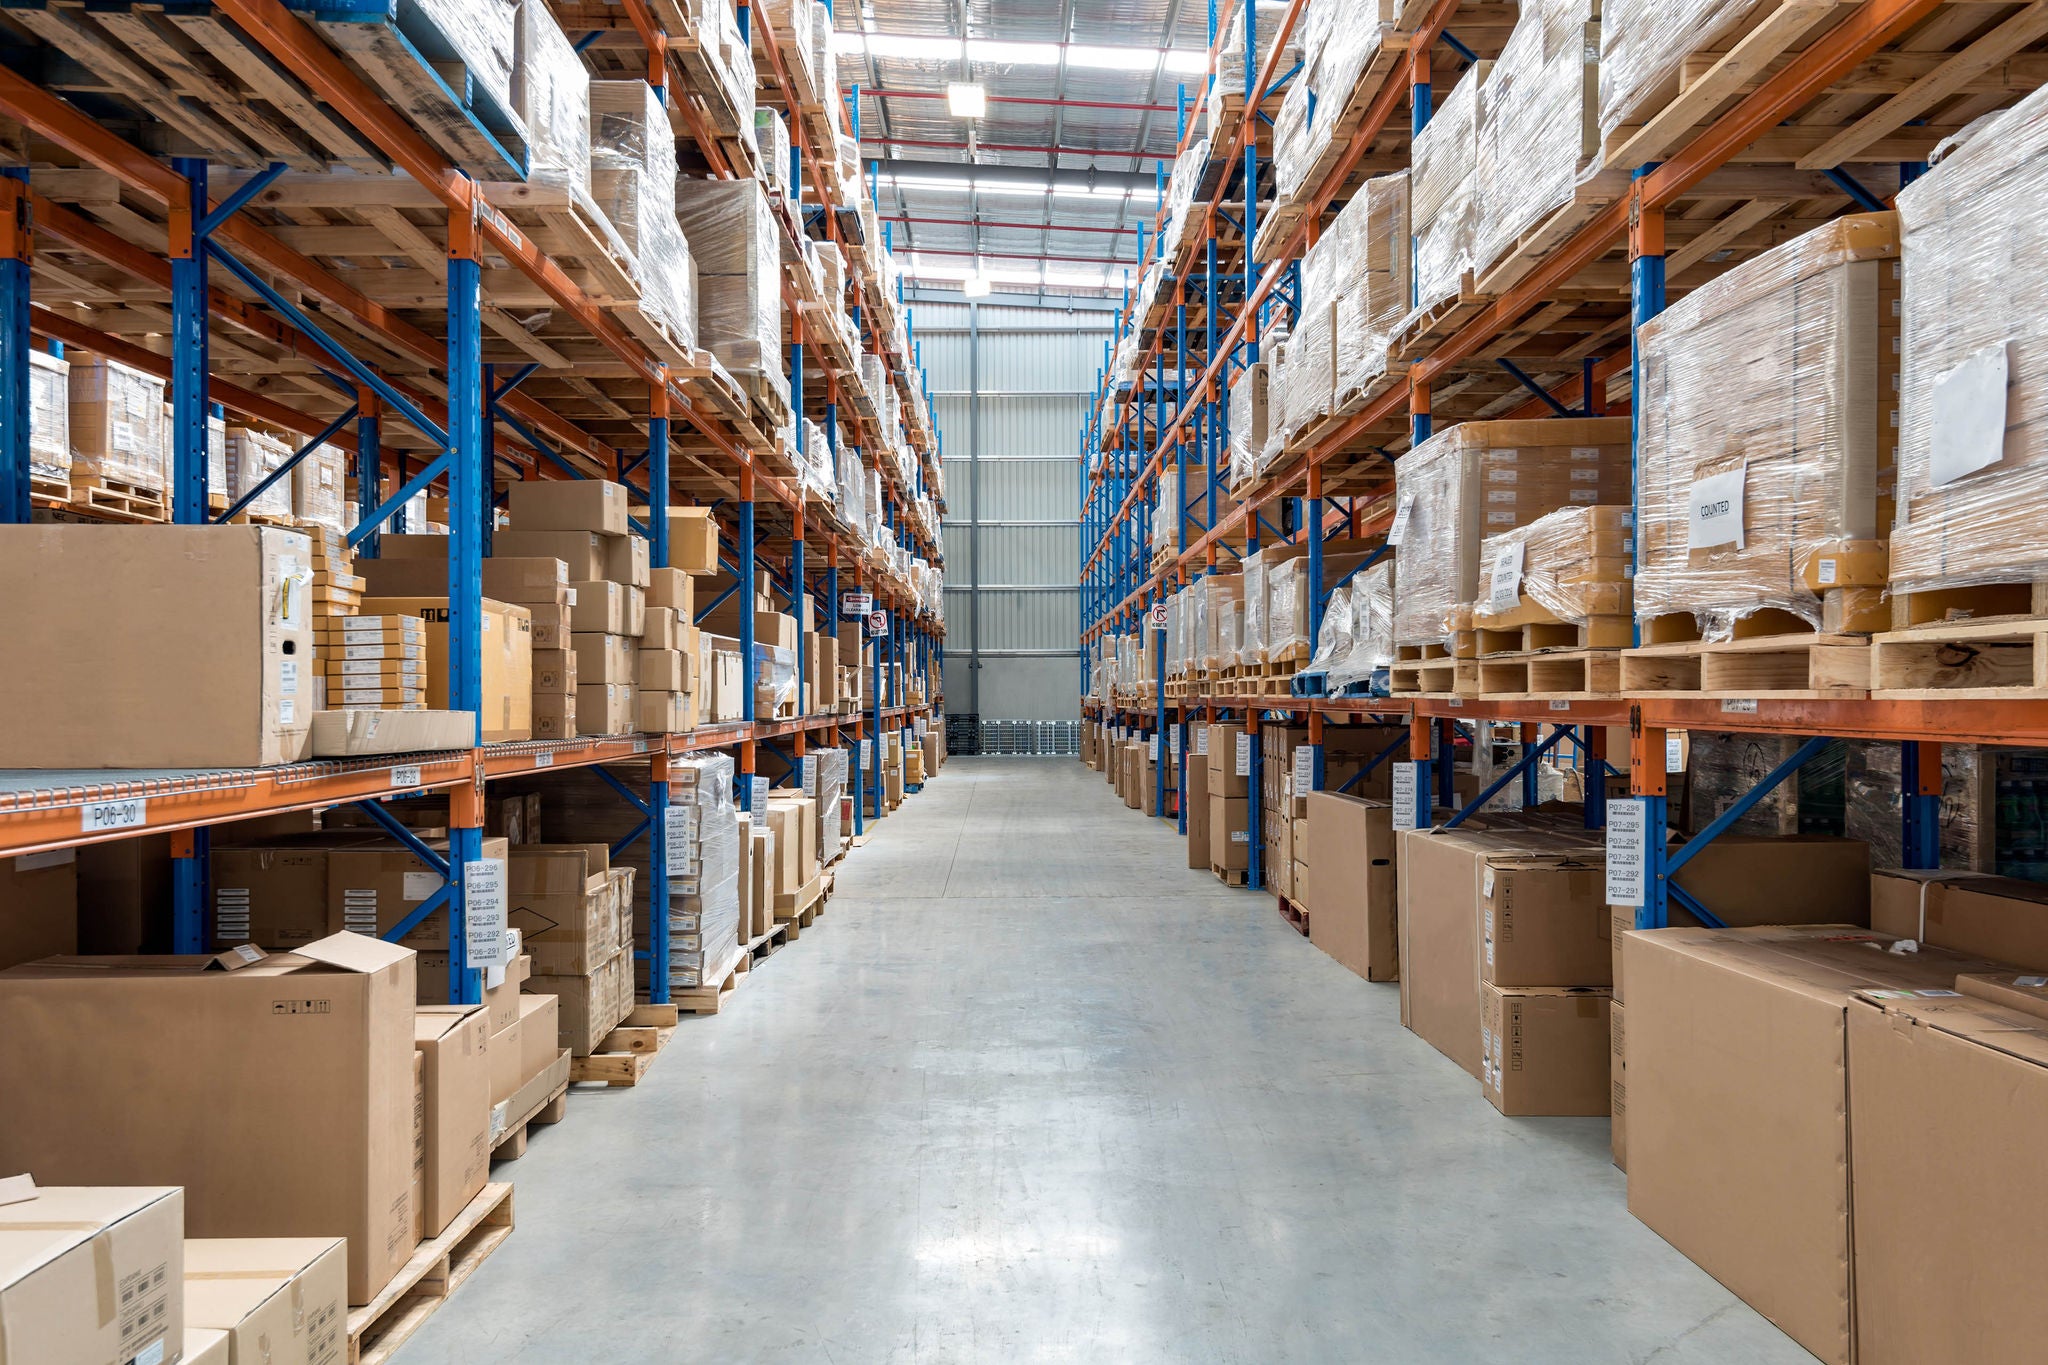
[{"x": 1034, "y": 1091}]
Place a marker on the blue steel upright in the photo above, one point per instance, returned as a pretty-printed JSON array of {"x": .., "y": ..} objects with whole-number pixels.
[
  {"x": 14, "y": 351},
  {"x": 468, "y": 488},
  {"x": 189, "y": 362},
  {"x": 657, "y": 785}
]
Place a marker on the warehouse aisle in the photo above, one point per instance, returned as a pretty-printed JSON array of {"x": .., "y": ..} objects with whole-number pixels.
[{"x": 1033, "y": 1091}]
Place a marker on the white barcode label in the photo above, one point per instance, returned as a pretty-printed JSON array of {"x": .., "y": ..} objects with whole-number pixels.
[
  {"x": 408, "y": 776},
  {"x": 96, "y": 817}
]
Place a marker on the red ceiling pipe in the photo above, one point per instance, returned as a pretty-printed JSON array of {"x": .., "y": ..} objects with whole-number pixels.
[
  {"x": 1022, "y": 99},
  {"x": 1026, "y": 227},
  {"x": 1016, "y": 147}
]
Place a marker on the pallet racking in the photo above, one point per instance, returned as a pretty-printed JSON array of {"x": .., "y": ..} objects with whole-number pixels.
[
  {"x": 323, "y": 139},
  {"x": 1821, "y": 108}
]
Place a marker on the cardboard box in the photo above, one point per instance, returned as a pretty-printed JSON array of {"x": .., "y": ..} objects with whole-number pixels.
[
  {"x": 38, "y": 905},
  {"x": 661, "y": 670},
  {"x": 555, "y": 672},
  {"x": 562, "y": 903},
  {"x": 1617, "y": 1086},
  {"x": 67, "y": 1251},
  {"x": 692, "y": 540},
  {"x": 582, "y": 552},
  {"x": 625, "y": 560},
  {"x": 726, "y": 686},
  {"x": 1198, "y": 814},
  {"x": 1547, "y": 1050},
  {"x": 204, "y": 1346},
  {"x": 1738, "y": 1128},
  {"x": 550, "y": 626},
  {"x": 453, "y": 1042},
  {"x": 604, "y": 708},
  {"x": 665, "y": 712},
  {"x": 1228, "y": 776},
  {"x": 529, "y": 581},
  {"x": 187, "y": 663},
  {"x": 588, "y": 1006},
  {"x": 602, "y": 658},
  {"x": 2001, "y": 918},
  {"x": 1754, "y": 879},
  {"x": 1547, "y": 924},
  {"x": 1946, "y": 1095},
  {"x": 665, "y": 628},
  {"x": 1348, "y": 889},
  {"x": 762, "y": 880},
  {"x": 280, "y": 1300},
  {"x": 507, "y": 712},
  {"x": 672, "y": 588},
  {"x": 365, "y": 733},
  {"x": 274, "y": 893},
  {"x": 312, "y": 1136},
  {"x": 554, "y": 717},
  {"x": 568, "y": 505},
  {"x": 599, "y": 608},
  {"x": 540, "y": 1020},
  {"x": 372, "y": 885},
  {"x": 1229, "y": 832},
  {"x": 504, "y": 1058}
]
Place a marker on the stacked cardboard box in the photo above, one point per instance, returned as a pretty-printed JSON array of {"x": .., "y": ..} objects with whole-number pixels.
[
  {"x": 793, "y": 820},
  {"x": 578, "y": 932},
  {"x": 70, "y": 1250},
  {"x": 1349, "y": 890},
  {"x": 117, "y": 427},
  {"x": 824, "y": 779},
  {"x": 705, "y": 933},
  {"x": 337, "y": 590},
  {"x": 372, "y": 662},
  {"x": 584, "y": 523},
  {"x": 668, "y": 665},
  {"x": 322, "y": 1145},
  {"x": 1229, "y": 782},
  {"x": 274, "y": 1300}
]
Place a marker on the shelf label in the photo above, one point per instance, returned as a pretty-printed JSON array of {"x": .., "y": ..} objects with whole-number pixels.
[
  {"x": 1173, "y": 741},
  {"x": 1739, "y": 706},
  {"x": 1455, "y": 701},
  {"x": 1560, "y": 706},
  {"x": 1152, "y": 749},
  {"x": 1398, "y": 532},
  {"x": 1674, "y": 753},
  {"x": 678, "y": 826},
  {"x": 1202, "y": 740},
  {"x": 810, "y": 774},
  {"x": 1404, "y": 795},
  {"x": 853, "y": 604},
  {"x": 1507, "y": 578},
  {"x": 544, "y": 759},
  {"x": 867, "y": 753},
  {"x": 759, "y": 799},
  {"x": 1304, "y": 769},
  {"x": 408, "y": 776},
  {"x": 1628, "y": 851},
  {"x": 1244, "y": 754},
  {"x": 483, "y": 912},
  {"x": 639, "y": 746},
  {"x": 96, "y": 817}
]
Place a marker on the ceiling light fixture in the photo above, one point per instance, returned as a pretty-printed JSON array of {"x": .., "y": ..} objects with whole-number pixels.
[
  {"x": 976, "y": 286},
  {"x": 966, "y": 100}
]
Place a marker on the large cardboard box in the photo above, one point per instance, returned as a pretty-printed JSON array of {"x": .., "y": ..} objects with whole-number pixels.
[
  {"x": 1617, "y": 1085},
  {"x": 1547, "y": 1050},
  {"x": 568, "y": 505},
  {"x": 1738, "y": 1106},
  {"x": 507, "y": 630},
  {"x": 528, "y": 581},
  {"x": 273, "y": 892},
  {"x": 582, "y": 552},
  {"x": 38, "y": 905},
  {"x": 1947, "y": 1097},
  {"x": 1229, "y": 766},
  {"x": 281, "y": 1300},
  {"x": 374, "y": 884},
  {"x": 693, "y": 540},
  {"x": 1349, "y": 889},
  {"x": 562, "y": 903},
  {"x": 1447, "y": 878},
  {"x": 1752, "y": 879},
  {"x": 156, "y": 646},
  {"x": 1230, "y": 845},
  {"x": 204, "y": 1346},
  {"x": 309, "y": 1135},
  {"x": 66, "y": 1252},
  {"x": 1198, "y": 812},
  {"x": 453, "y": 1041},
  {"x": 2001, "y": 918}
]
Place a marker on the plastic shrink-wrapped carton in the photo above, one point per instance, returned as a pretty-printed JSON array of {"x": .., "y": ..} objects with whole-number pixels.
[
  {"x": 1644, "y": 46},
  {"x": 1444, "y": 193},
  {"x": 1229, "y": 86},
  {"x": 1537, "y": 129},
  {"x": 1764, "y": 414},
  {"x": 1488, "y": 478},
  {"x": 116, "y": 423},
  {"x": 633, "y": 179},
  {"x": 734, "y": 240},
  {"x": 1570, "y": 566},
  {"x": 1973, "y": 445},
  {"x": 1354, "y": 290},
  {"x": 1339, "y": 39}
]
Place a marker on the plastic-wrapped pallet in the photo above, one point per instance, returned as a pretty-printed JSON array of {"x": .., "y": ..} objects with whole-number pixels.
[
  {"x": 1781, "y": 443},
  {"x": 732, "y": 235},
  {"x": 826, "y": 784},
  {"x": 1333, "y": 638},
  {"x": 1250, "y": 421},
  {"x": 1536, "y": 121},
  {"x": 117, "y": 424},
  {"x": 252, "y": 457},
  {"x": 1372, "y": 626},
  {"x": 1573, "y": 563},
  {"x": 1223, "y": 605},
  {"x": 1338, "y": 39},
  {"x": 1725, "y": 768},
  {"x": 1286, "y": 599},
  {"x": 1972, "y": 495},
  {"x": 704, "y": 891},
  {"x": 1444, "y": 192},
  {"x": 1872, "y": 810},
  {"x": 1644, "y": 45},
  {"x": 319, "y": 488},
  {"x": 49, "y": 417},
  {"x": 551, "y": 94},
  {"x": 1374, "y": 232},
  {"x": 774, "y": 680},
  {"x": 1279, "y": 352},
  {"x": 1230, "y": 60},
  {"x": 1166, "y": 504},
  {"x": 1251, "y": 639},
  {"x": 632, "y": 172},
  {"x": 771, "y": 135},
  {"x": 1485, "y": 478},
  {"x": 825, "y": 64},
  {"x": 483, "y": 34}
]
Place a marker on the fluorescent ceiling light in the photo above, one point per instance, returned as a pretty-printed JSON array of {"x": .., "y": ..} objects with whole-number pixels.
[
  {"x": 975, "y": 286},
  {"x": 966, "y": 100},
  {"x": 1113, "y": 58}
]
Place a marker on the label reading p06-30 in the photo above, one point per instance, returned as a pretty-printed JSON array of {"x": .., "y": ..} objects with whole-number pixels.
[{"x": 96, "y": 817}]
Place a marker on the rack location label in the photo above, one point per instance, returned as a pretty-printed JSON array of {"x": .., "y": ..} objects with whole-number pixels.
[{"x": 97, "y": 817}]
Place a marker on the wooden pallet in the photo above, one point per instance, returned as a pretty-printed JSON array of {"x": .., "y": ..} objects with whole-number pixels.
[
  {"x": 1230, "y": 876},
  {"x": 628, "y": 1050},
  {"x": 1802, "y": 666},
  {"x": 1590, "y": 197},
  {"x": 1953, "y": 606},
  {"x": 1530, "y": 637},
  {"x": 553, "y": 1109},
  {"x": 1442, "y": 676},
  {"x": 1295, "y": 914},
  {"x": 434, "y": 1271},
  {"x": 1551, "y": 675},
  {"x": 1423, "y": 330},
  {"x": 117, "y": 500},
  {"x": 1999, "y": 659},
  {"x": 711, "y": 999}
]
